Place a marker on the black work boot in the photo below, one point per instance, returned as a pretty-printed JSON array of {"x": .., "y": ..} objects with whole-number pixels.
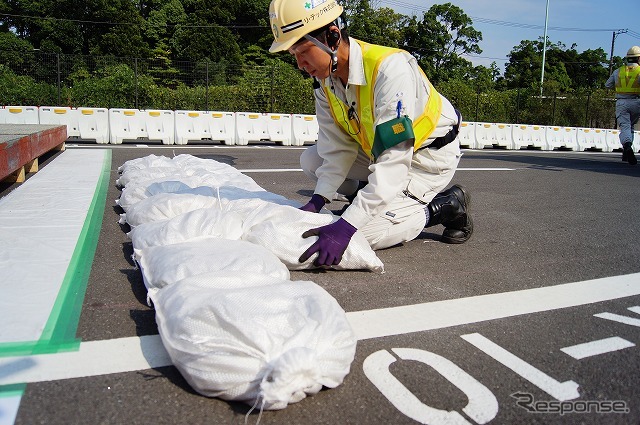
[
  {"x": 451, "y": 209},
  {"x": 628, "y": 155},
  {"x": 351, "y": 197}
]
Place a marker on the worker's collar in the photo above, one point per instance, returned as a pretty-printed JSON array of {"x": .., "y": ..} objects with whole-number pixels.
[{"x": 356, "y": 66}]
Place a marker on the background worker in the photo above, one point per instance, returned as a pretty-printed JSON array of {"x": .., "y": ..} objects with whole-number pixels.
[
  {"x": 387, "y": 138},
  {"x": 626, "y": 81}
]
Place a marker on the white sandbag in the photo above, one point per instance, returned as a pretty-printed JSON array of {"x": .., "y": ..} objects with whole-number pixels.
[
  {"x": 192, "y": 225},
  {"x": 167, "y": 264},
  {"x": 136, "y": 192},
  {"x": 193, "y": 172},
  {"x": 210, "y": 165},
  {"x": 214, "y": 173},
  {"x": 151, "y": 173},
  {"x": 231, "y": 179},
  {"x": 145, "y": 162},
  {"x": 270, "y": 345},
  {"x": 246, "y": 201},
  {"x": 165, "y": 206},
  {"x": 279, "y": 228}
]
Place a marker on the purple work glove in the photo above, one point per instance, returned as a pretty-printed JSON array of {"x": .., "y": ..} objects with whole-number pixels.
[
  {"x": 331, "y": 244},
  {"x": 315, "y": 204}
]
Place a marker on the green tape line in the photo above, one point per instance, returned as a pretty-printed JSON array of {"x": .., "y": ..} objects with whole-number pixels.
[
  {"x": 15, "y": 390},
  {"x": 59, "y": 333}
]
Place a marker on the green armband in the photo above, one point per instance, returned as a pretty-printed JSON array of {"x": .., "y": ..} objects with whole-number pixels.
[{"x": 390, "y": 134}]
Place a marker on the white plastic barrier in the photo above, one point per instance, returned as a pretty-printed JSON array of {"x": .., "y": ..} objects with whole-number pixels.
[
  {"x": 636, "y": 141},
  {"x": 467, "y": 135},
  {"x": 612, "y": 138},
  {"x": 590, "y": 138},
  {"x": 279, "y": 128},
  {"x": 19, "y": 115},
  {"x": 493, "y": 134},
  {"x": 82, "y": 123},
  {"x": 600, "y": 139},
  {"x": 134, "y": 124},
  {"x": 200, "y": 125},
  {"x": 562, "y": 137},
  {"x": 529, "y": 136},
  {"x": 251, "y": 127},
  {"x": 304, "y": 129}
]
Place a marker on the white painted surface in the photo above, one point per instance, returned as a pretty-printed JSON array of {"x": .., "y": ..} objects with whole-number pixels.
[
  {"x": 595, "y": 348},
  {"x": 561, "y": 391}
]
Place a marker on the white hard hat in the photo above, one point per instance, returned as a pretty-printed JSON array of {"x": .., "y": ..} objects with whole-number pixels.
[
  {"x": 633, "y": 52},
  {"x": 293, "y": 19}
]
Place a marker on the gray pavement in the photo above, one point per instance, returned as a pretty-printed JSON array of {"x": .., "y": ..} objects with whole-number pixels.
[{"x": 542, "y": 219}]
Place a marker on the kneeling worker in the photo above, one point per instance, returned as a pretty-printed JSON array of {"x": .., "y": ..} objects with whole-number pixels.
[{"x": 386, "y": 140}]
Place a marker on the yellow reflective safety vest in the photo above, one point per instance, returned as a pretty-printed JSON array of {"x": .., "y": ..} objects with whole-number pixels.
[
  {"x": 627, "y": 81},
  {"x": 364, "y": 132}
]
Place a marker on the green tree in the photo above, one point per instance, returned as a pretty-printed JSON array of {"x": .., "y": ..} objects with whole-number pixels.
[
  {"x": 23, "y": 90},
  {"x": 160, "y": 26},
  {"x": 380, "y": 26},
  {"x": 440, "y": 38},
  {"x": 592, "y": 70},
  {"x": 15, "y": 52},
  {"x": 206, "y": 33},
  {"x": 75, "y": 26},
  {"x": 524, "y": 69},
  {"x": 113, "y": 87},
  {"x": 252, "y": 23}
]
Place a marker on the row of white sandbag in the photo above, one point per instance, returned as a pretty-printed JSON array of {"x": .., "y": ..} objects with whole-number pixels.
[{"x": 212, "y": 246}]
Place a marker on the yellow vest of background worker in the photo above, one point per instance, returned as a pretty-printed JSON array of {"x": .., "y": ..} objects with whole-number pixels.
[{"x": 628, "y": 81}]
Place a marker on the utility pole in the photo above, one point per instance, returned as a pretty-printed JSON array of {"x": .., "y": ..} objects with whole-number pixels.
[
  {"x": 613, "y": 42},
  {"x": 544, "y": 47}
]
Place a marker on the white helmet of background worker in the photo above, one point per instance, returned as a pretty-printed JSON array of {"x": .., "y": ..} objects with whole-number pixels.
[
  {"x": 633, "y": 52},
  {"x": 292, "y": 20}
]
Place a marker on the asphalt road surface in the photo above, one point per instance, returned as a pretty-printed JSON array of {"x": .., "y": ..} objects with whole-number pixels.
[{"x": 535, "y": 320}]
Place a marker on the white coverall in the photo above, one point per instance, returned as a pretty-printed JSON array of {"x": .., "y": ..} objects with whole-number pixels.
[
  {"x": 627, "y": 108},
  {"x": 381, "y": 210}
]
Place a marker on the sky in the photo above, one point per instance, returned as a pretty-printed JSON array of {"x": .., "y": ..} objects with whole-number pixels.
[{"x": 595, "y": 19}]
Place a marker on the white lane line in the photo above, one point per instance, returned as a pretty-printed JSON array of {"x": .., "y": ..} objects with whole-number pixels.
[
  {"x": 93, "y": 358},
  {"x": 486, "y": 169},
  {"x": 619, "y": 318},
  {"x": 595, "y": 348},
  {"x": 270, "y": 170},
  {"x": 443, "y": 314},
  {"x": 137, "y": 353},
  {"x": 286, "y": 170},
  {"x": 635, "y": 309}
]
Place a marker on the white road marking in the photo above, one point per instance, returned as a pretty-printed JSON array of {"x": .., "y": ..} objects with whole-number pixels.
[
  {"x": 595, "y": 348},
  {"x": 271, "y": 170},
  {"x": 485, "y": 169},
  {"x": 138, "y": 353},
  {"x": 9, "y": 406},
  {"x": 93, "y": 358},
  {"x": 562, "y": 391},
  {"x": 635, "y": 309},
  {"x": 482, "y": 405},
  {"x": 285, "y": 170},
  {"x": 442, "y": 314},
  {"x": 619, "y": 318}
]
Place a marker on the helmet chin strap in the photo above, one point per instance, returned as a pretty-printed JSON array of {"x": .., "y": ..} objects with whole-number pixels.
[{"x": 332, "y": 53}]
